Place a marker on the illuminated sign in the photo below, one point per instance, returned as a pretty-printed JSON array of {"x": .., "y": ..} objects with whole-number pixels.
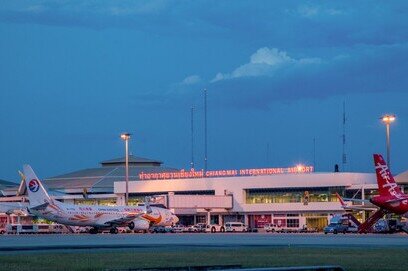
[{"x": 192, "y": 174}]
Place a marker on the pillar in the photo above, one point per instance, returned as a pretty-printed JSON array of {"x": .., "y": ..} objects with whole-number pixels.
[
  {"x": 246, "y": 220},
  {"x": 208, "y": 216}
]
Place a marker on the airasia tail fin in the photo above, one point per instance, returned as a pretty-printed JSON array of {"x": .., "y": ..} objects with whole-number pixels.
[{"x": 386, "y": 183}]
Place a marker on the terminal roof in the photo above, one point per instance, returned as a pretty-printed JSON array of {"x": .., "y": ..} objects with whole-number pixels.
[{"x": 133, "y": 161}]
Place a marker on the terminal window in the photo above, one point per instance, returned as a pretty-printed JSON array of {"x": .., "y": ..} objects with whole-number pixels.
[{"x": 297, "y": 195}]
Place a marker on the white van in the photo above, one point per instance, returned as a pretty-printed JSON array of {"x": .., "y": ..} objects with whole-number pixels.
[{"x": 235, "y": 227}]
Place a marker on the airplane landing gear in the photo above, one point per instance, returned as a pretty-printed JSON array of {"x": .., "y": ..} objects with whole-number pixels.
[
  {"x": 131, "y": 225},
  {"x": 93, "y": 231},
  {"x": 113, "y": 231}
]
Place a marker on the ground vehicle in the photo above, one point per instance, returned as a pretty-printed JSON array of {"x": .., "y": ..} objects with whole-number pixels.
[
  {"x": 213, "y": 228},
  {"x": 179, "y": 228},
  {"x": 161, "y": 229},
  {"x": 340, "y": 224},
  {"x": 35, "y": 228},
  {"x": 200, "y": 227},
  {"x": 270, "y": 227},
  {"x": 276, "y": 228},
  {"x": 235, "y": 227}
]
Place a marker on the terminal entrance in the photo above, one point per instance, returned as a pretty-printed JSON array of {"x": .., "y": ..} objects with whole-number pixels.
[
  {"x": 316, "y": 221},
  {"x": 186, "y": 220}
]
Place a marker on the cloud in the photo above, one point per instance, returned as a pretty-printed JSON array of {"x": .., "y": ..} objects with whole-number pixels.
[
  {"x": 191, "y": 80},
  {"x": 265, "y": 62},
  {"x": 308, "y": 11},
  {"x": 315, "y": 24},
  {"x": 314, "y": 11},
  {"x": 365, "y": 69}
]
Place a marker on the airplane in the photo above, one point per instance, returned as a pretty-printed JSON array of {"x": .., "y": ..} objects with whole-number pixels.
[
  {"x": 96, "y": 216},
  {"x": 390, "y": 198},
  {"x": 14, "y": 208},
  {"x": 347, "y": 207}
]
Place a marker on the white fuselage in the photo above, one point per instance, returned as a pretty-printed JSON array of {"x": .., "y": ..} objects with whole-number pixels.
[{"x": 103, "y": 216}]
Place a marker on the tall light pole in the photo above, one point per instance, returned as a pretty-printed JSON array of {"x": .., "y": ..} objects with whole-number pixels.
[
  {"x": 387, "y": 120},
  {"x": 126, "y": 137},
  {"x": 205, "y": 130}
]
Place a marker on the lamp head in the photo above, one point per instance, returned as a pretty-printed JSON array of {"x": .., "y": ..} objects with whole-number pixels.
[
  {"x": 125, "y": 136},
  {"x": 387, "y": 119}
]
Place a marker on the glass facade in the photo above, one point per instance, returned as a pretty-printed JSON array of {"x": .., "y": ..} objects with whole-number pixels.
[
  {"x": 295, "y": 195},
  {"x": 196, "y": 192},
  {"x": 136, "y": 200},
  {"x": 292, "y": 223}
]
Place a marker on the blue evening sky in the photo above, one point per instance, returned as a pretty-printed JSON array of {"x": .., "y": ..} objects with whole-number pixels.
[{"x": 75, "y": 74}]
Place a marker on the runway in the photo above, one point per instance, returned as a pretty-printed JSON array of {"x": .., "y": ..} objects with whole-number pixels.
[{"x": 175, "y": 241}]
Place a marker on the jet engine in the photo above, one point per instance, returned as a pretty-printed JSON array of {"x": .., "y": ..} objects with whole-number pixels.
[{"x": 139, "y": 224}]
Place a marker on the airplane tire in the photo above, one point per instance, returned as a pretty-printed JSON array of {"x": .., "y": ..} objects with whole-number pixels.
[
  {"x": 131, "y": 225},
  {"x": 114, "y": 231},
  {"x": 93, "y": 231}
]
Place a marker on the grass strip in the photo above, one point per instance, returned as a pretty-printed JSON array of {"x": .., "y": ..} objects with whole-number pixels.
[{"x": 350, "y": 259}]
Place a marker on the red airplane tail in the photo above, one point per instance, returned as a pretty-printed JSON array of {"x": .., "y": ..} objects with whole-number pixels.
[
  {"x": 386, "y": 183},
  {"x": 343, "y": 204}
]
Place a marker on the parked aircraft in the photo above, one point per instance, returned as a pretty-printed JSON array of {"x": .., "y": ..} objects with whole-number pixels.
[
  {"x": 96, "y": 216},
  {"x": 390, "y": 198},
  {"x": 347, "y": 207},
  {"x": 13, "y": 207}
]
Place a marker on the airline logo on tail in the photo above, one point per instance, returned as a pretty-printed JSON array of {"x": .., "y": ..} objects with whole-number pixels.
[
  {"x": 33, "y": 185},
  {"x": 386, "y": 182}
]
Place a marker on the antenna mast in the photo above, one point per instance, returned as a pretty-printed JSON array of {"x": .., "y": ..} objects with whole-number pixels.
[
  {"x": 267, "y": 154},
  {"x": 192, "y": 137},
  {"x": 205, "y": 129},
  {"x": 344, "y": 157},
  {"x": 314, "y": 154}
]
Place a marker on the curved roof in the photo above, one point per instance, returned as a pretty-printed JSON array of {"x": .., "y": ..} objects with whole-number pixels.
[
  {"x": 133, "y": 161},
  {"x": 7, "y": 184},
  {"x": 402, "y": 178},
  {"x": 101, "y": 180}
]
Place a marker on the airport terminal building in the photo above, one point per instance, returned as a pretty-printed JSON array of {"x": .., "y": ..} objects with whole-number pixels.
[{"x": 288, "y": 196}]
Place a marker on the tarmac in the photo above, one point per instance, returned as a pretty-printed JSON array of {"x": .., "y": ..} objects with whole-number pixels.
[{"x": 38, "y": 242}]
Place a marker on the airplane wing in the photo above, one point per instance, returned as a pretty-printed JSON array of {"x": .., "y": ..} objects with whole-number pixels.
[
  {"x": 123, "y": 220},
  {"x": 11, "y": 207},
  {"x": 357, "y": 200},
  {"x": 353, "y": 207},
  {"x": 360, "y": 208}
]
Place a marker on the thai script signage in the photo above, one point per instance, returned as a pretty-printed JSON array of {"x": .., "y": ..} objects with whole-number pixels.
[{"x": 190, "y": 174}]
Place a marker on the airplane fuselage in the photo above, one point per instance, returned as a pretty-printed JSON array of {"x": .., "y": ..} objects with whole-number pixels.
[
  {"x": 103, "y": 216},
  {"x": 395, "y": 205}
]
